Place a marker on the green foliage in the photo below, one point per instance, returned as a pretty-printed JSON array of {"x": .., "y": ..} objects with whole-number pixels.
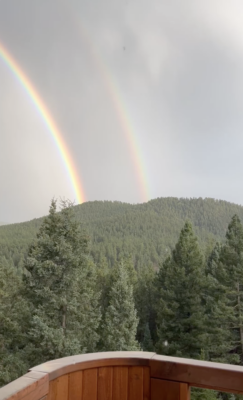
[
  {"x": 203, "y": 394},
  {"x": 218, "y": 311},
  {"x": 60, "y": 288},
  {"x": 181, "y": 316},
  {"x": 120, "y": 321},
  {"x": 146, "y": 231},
  {"x": 147, "y": 343},
  {"x": 145, "y": 299},
  {"x": 64, "y": 292},
  {"x": 13, "y": 318},
  {"x": 230, "y": 275}
]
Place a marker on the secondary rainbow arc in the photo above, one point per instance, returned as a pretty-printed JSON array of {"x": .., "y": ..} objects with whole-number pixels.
[
  {"x": 48, "y": 120},
  {"x": 119, "y": 104},
  {"x": 121, "y": 112}
]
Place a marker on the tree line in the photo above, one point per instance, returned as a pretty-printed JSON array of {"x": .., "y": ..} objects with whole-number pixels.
[
  {"x": 61, "y": 302},
  {"x": 146, "y": 231}
]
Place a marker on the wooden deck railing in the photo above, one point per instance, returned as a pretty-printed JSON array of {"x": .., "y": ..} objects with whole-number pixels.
[{"x": 122, "y": 376}]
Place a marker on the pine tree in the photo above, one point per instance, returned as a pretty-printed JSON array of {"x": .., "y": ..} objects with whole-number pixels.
[
  {"x": 147, "y": 343},
  {"x": 218, "y": 311},
  {"x": 230, "y": 275},
  {"x": 14, "y": 314},
  {"x": 60, "y": 288},
  {"x": 145, "y": 303},
  {"x": 181, "y": 316},
  {"x": 120, "y": 321},
  {"x": 131, "y": 272},
  {"x": 103, "y": 283}
]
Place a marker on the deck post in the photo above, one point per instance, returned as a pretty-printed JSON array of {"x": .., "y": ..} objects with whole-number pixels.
[{"x": 169, "y": 390}]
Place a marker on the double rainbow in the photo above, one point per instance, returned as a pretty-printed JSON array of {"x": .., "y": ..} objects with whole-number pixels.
[
  {"x": 48, "y": 120},
  {"x": 118, "y": 103}
]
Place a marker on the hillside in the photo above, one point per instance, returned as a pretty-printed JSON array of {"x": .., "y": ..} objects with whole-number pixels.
[{"x": 146, "y": 231}]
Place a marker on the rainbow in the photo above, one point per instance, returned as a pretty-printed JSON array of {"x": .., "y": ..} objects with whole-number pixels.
[
  {"x": 48, "y": 120},
  {"x": 119, "y": 105},
  {"x": 123, "y": 117}
]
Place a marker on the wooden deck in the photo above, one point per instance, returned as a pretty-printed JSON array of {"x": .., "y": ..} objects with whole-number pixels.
[{"x": 122, "y": 376}]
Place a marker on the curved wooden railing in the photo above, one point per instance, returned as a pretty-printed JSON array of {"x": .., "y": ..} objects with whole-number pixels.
[{"x": 122, "y": 376}]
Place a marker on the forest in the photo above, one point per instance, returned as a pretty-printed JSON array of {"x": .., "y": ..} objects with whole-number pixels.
[{"x": 164, "y": 276}]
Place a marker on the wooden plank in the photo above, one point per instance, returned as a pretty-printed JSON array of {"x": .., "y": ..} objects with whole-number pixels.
[
  {"x": 135, "y": 383},
  {"x": 75, "y": 385},
  {"x": 25, "y": 385},
  {"x": 52, "y": 390},
  {"x": 62, "y": 388},
  {"x": 208, "y": 375},
  {"x": 120, "y": 383},
  {"x": 215, "y": 376},
  {"x": 184, "y": 391},
  {"x": 38, "y": 393},
  {"x": 146, "y": 383},
  {"x": 41, "y": 377},
  {"x": 70, "y": 364},
  {"x": 105, "y": 376},
  {"x": 90, "y": 384},
  {"x": 164, "y": 390},
  {"x": 52, "y": 395}
]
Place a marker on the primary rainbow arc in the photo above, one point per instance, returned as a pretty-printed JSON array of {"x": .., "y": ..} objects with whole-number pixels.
[{"x": 48, "y": 120}]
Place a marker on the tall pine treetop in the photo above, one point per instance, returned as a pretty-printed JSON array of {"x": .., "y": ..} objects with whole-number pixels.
[
  {"x": 181, "y": 316},
  {"x": 61, "y": 289},
  {"x": 234, "y": 234},
  {"x": 187, "y": 249},
  {"x": 120, "y": 320}
]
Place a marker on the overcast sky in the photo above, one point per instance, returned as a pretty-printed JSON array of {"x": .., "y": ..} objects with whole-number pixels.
[{"x": 177, "y": 70}]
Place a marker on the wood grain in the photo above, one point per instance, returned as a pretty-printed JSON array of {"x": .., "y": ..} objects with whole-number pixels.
[
  {"x": 184, "y": 391},
  {"x": 146, "y": 383},
  {"x": 70, "y": 364},
  {"x": 52, "y": 395},
  {"x": 90, "y": 384},
  {"x": 105, "y": 378},
  {"x": 222, "y": 377},
  {"x": 164, "y": 390},
  {"x": 25, "y": 385},
  {"x": 38, "y": 393},
  {"x": 75, "y": 386},
  {"x": 120, "y": 383},
  {"x": 135, "y": 383},
  {"x": 90, "y": 377},
  {"x": 62, "y": 388}
]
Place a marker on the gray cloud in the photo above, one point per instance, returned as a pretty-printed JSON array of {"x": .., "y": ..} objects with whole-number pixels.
[{"x": 173, "y": 69}]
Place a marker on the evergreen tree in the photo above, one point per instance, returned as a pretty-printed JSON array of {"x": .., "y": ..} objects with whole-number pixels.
[
  {"x": 218, "y": 311},
  {"x": 230, "y": 275},
  {"x": 147, "y": 343},
  {"x": 204, "y": 394},
  {"x": 13, "y": 318},
  {"x": 145, "y": 303},
  {"x": 120, "y": 321},
  {"x": 60, "y": 288},
  {"x": 103, "y": 283},
  {"x": 181, "y": 316},
  {"x": 131, "y": 272},
  {"x": 213, "y": 260}
]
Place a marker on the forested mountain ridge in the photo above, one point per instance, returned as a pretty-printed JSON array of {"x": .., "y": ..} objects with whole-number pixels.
[
  {"x": 59, "y": 302},
  {"x": 146, "y": 231}
]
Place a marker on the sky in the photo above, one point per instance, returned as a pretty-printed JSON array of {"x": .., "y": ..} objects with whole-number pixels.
[{"x": 147, "y": 96}]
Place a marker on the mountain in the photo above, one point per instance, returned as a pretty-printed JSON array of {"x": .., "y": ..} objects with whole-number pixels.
[{"x": 146, "y": 231}]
